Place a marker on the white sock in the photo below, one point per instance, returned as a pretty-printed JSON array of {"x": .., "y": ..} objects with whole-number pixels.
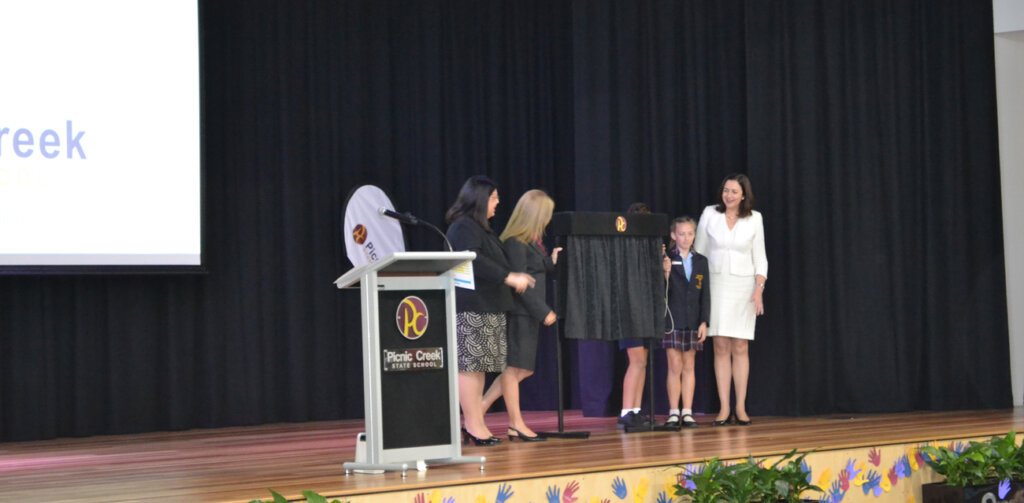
[
  {"x": 673, "y": 412},
  {"x": 624, "y": 412},
  {"x": 636, "y": 410},
  {"x": 686, "y": 411}
]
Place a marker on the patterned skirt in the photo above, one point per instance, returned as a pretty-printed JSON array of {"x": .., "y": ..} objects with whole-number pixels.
[
  {"x": 481, "y": 340},
  {"x": 683, "y": 340}
]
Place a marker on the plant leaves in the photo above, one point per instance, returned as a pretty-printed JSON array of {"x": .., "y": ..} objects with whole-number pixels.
[{"x": 313, "y": 497}]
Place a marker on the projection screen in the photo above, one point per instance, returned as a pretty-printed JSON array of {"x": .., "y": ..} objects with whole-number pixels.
[{"x": 100, "y": 135}]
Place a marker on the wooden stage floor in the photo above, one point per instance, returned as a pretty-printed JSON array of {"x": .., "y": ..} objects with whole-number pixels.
[{"x": 240, "y": 464}]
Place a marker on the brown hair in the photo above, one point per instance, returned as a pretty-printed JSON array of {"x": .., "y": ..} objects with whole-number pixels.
[
  {"x": 747, "y": 204},
  {"x": 685, "y": 219}
]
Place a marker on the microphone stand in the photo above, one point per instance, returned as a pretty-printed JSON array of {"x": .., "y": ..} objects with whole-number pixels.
[{"x": 438, "y": 231}]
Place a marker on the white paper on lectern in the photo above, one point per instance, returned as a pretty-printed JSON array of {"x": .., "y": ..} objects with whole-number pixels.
[{"x": 463, "y": 276}]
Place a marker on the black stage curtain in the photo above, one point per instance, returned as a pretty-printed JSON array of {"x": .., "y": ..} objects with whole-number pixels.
[
  {"x": 660, "y": 117},
  {"x": 868, "y": 129},
  {"x": 869, "y": 132},
  {"x": 873, "y": 144}
]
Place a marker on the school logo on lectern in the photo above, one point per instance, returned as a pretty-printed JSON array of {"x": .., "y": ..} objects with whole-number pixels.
[
  {"x": 620, "y": 224},
  {"x": 359, "y": 234},
  {"x": 412, "y": 317}
]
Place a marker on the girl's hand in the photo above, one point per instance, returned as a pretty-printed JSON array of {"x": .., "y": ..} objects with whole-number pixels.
[
  {"x": 702, "y": 332},
  {"x": 554, "y": 255}
]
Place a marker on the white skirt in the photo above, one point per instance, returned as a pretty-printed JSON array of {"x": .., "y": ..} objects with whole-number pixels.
[{"x": 732, "y": 313}]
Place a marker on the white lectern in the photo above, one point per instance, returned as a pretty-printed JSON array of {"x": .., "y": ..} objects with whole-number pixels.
[{"x": 410, "y": 364}]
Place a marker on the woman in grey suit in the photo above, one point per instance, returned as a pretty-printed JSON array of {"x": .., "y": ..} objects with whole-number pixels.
[{"x": 522, "y": 243}]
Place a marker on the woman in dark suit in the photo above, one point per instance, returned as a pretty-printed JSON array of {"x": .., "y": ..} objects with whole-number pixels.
[
  {"x": 480, "y": 313},
  {"x": 522, "y": 242}
]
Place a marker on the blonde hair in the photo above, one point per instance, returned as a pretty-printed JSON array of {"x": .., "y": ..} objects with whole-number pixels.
[{"x": 529, "y": 218}]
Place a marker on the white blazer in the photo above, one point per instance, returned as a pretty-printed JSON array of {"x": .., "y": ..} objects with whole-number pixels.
[{"x": 742, "y": 247}]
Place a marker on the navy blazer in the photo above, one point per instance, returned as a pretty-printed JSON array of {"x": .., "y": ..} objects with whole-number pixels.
[
  {"x": 532, "y": 260},
  {"x": 689, "y": 301},
  {"x": 490, "y": 267}
]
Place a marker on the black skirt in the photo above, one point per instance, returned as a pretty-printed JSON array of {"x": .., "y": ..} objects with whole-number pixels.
[{"x": 523, "y": 332}]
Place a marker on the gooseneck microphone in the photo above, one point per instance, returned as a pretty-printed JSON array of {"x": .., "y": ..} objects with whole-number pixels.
[{"x": 407, "y": 218}]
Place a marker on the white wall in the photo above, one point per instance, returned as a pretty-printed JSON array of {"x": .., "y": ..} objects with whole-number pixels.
[
  {"x": 1009, "y": 56},
  {"x": 1008, "y": 15}
]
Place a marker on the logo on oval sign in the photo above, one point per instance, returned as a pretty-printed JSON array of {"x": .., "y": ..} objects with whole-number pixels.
[
  {"x": 620, "y": 224},
  {"x": 412, "y": 317},
  {"x": 359, "y": 234}
]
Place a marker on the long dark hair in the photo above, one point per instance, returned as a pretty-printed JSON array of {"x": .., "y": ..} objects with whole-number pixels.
[
  {"x": 472, "y": 201},
  {"x": 747, "y": 204}
]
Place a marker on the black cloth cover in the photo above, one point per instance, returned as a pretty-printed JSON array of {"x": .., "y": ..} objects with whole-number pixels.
[{"x": 613, "y": 286}]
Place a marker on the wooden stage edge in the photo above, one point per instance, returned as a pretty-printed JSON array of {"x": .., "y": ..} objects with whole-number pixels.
[{"x": 873, "y": 453}]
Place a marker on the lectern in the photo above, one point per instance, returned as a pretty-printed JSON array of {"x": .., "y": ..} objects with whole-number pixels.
[{"x": 410, "y": 367}]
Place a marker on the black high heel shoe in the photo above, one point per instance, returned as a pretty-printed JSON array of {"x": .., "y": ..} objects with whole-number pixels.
[
  {"x": 725, "y": 422},
  {"x": 524, "y": 438},
  {"x": 739, "y": 422},
  {"x": 468, "y": 437}
]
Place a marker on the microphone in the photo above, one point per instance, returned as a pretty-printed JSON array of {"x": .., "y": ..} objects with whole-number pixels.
[{"x": 405, "y": 218}]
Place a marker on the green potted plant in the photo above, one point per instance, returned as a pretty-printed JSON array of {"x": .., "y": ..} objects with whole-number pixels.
[
  {"x": 976, "y": 471},
  {"x": 741, "y": 482},
  {"x": 700, "y": 482},
  {"x": 748, "y": 480},
  {"x": 788, "y": 479}
]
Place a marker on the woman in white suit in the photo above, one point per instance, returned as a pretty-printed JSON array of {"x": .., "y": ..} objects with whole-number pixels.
[{"x": 731, "y": 235}]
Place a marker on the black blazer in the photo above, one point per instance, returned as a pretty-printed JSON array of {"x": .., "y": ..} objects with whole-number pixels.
[
  {"x": 689, "y": 301},
  {"x": 489, "y": 268},
  {"x": 529, "y": 258}
]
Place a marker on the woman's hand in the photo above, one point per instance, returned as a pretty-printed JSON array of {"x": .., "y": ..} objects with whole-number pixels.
[
  {"x": 554, "y": 255},
  {"x": 550, "y": 319},
  {"x": 756, "y": 297},
  {"x": 520, "y": 281},
  {"x": 702, "y": 332},
  {"x": 666, "y": 265}
]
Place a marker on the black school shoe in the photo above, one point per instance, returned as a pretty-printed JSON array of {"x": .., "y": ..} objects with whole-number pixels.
[{"x": 632, "y": 419}]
